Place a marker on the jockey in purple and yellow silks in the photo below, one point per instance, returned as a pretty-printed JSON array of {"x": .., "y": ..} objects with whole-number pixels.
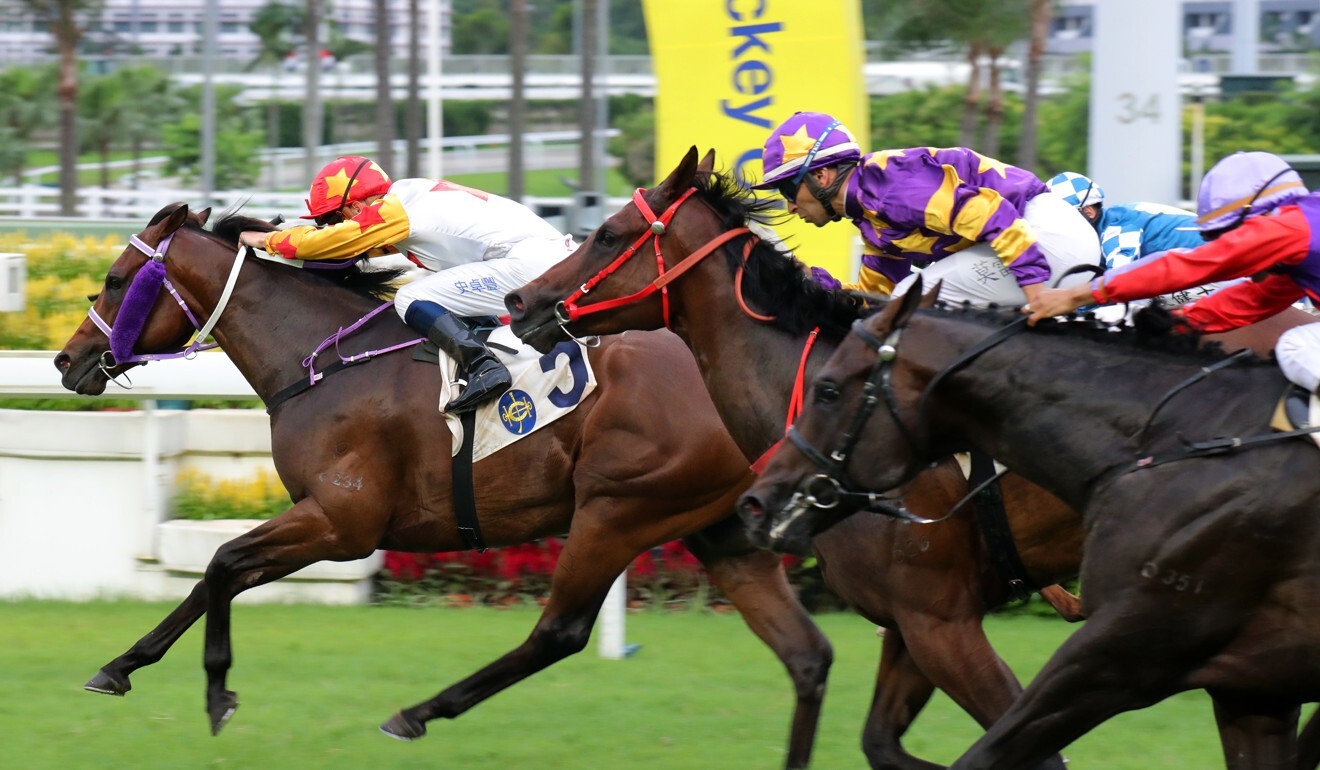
[
  {"x": 991, "y": 232},
  {"x": 481, "y": 246},
  {"x": 1258, "y": 221}
]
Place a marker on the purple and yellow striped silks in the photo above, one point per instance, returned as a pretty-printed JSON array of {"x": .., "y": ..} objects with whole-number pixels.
[{"x": 925, "y": 203}]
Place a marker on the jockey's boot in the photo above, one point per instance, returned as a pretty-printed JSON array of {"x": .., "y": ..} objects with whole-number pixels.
[{"x": 484, "y": 375}]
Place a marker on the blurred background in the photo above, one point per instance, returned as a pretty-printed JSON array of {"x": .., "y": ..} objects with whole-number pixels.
[{"x": 110, "y": 109}]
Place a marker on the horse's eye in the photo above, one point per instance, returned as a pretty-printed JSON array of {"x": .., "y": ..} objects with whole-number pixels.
[
  {"x": 826, "y": 392},
  {"x": 605, "y": 238},
  {"x": 113, "y": 282}
]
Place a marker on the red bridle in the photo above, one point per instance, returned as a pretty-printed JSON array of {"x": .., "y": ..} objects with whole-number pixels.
[{"x": 568, "y": 310}]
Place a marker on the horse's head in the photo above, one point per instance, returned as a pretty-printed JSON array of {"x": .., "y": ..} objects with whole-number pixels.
[
  {"x": 130, "y": 316},
  {"x": 621, "y": 255},
  {"x": 858, "y": 435}
]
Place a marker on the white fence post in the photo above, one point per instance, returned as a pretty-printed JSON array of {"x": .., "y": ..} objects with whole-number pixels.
[{"x": 611, "y": 644}]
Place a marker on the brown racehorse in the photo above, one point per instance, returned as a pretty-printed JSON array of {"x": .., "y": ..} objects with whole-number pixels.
[
  {"x": 1201, "y": 567},
  {"x": 929, "y": 585},
  {"x": 366, "y": 458}
]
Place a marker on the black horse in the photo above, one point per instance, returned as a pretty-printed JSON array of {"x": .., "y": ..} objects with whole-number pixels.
[{"x": 1202, "y": 558}]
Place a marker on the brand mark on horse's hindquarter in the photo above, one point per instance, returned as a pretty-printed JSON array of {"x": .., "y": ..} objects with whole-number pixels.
[
  {"x": 351, "y": 483},
  {"x": 1178, "y": 581}
]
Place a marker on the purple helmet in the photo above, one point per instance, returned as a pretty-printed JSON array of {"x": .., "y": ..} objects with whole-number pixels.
[
  {"x": 806, "y": 141},
  {"x": 1242, "y": 185}
]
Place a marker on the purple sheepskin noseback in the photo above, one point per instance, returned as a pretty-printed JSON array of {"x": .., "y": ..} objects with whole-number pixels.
[{"x": 137, "y": 306}]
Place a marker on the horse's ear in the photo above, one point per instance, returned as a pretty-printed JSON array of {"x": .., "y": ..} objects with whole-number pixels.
[
  {"x": 204, "y": 215},
  {"x": 707, "y": 163},
  {"x": 175, "y": 220},
  {"x": 908, "y": 304},
  {"x": 682, "y": 177},
  {"x": 929, "y": 299}
]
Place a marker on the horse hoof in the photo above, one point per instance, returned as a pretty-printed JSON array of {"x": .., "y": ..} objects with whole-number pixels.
[
  {"x": 107, "y": 683},
  {"x": 402, "y": 728},
  {"x": 221, "y": 711}
]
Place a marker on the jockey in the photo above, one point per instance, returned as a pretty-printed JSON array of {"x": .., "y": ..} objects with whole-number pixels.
[
  {"x": 991, "y": 232},
  {"x": 481, "y": 246},
  {"x": 1132, "y": 231},
  {"x": 1258, "y": 221}
]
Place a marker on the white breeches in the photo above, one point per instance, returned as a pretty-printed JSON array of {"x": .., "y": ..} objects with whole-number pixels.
[
  {"x": 1298, "y": 351},
  {"x": 478, "y": 288},
  {"x": 977, "y": 275}
]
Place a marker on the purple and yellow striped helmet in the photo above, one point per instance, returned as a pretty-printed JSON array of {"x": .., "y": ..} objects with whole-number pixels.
[{"x": 806, "y": 141}]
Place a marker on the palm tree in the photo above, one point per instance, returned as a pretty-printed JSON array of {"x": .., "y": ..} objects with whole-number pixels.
[
  {"x": 312, "y": 108},
  {"x": 518, "y": 100},
  {"x": 68, "y": 21},
  {"x": 384, "y": 92},
  {"x": 101, "y": 109},
  {"x": 1041, "y": 11},
  {"x": 278, "y": 27}
]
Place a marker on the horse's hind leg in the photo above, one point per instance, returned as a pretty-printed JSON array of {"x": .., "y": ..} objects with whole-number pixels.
[
  {"x": 1257, "y": 735},
  {"x": 593, "y": 556},
  {"x": 755, "y": 582},
  {"x": 112, "y": 679}
]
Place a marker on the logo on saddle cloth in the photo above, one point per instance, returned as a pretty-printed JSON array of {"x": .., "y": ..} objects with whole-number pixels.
[
  {"x": 545, "y": 388},
  {"x": 517, "y": 412}
]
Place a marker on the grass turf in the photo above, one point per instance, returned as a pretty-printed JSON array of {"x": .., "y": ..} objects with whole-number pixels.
[{"x": 314, "y": 682}]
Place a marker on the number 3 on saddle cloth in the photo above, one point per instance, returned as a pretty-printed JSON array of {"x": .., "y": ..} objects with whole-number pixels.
[{"x": 545, "y": 388}]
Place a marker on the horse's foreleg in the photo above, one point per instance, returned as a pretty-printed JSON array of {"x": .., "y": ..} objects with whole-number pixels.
[
  {"x": 296, "y": 538},
  {"x": 957, "y": 657},
  {"x": 1257, "y": 735},
  {"x": 112, "y": 679},
  {"x": 901, "y": 692},
  {"x": 1103, "y": 669},
  {"x": 592, "y": 558},
  {"x": 756, "y": 584}
]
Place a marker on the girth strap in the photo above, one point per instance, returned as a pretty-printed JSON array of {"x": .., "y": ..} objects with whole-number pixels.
[
  {"x": 465, "y": 497},
  {"x": 988, "y": 500}
]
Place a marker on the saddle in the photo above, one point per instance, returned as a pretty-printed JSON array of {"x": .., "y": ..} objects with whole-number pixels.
[{"x": 545, "y": 388}]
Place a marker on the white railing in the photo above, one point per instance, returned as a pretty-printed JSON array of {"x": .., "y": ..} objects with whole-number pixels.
[{"x": 79, "y": 469}]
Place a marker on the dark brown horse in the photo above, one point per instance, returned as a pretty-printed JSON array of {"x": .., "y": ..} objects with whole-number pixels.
[
  {"x": 1201, "y": 567},
  {"x": 929, "y": 585},
  {"x": 366, "y": 457}
]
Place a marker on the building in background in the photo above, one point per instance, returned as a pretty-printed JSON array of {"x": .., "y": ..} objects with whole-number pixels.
[
  {"x": 165, "y": 30},
  {"x": 1285, "y": 25}
]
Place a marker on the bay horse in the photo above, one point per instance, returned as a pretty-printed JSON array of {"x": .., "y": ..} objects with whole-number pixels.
[
  {"x": 929, "y": 585},
  {"x": 1201, "y": 566},
  {"x": 365, "y": 456}
]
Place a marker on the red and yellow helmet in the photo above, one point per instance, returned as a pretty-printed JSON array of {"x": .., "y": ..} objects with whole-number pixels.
[{"x": 343, "y": 180}]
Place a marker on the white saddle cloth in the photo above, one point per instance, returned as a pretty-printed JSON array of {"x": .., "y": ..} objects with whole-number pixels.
[{"x": 545, "y": 388}]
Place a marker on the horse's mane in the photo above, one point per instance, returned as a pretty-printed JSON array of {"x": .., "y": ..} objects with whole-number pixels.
[
  {"x": 369, "y": 283},
  {"x": 775, "y": 282},
  {"x": 1153, "y": 329}
]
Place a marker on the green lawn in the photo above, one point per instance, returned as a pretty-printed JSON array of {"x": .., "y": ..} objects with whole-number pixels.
[{"x": 315, "y": 682}]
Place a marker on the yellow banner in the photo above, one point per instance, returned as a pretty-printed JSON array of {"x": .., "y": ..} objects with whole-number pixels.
[{"x": 729, "y": 71}]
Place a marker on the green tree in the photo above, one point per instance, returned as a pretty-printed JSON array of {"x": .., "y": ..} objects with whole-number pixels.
[
  {"x": 278, "y": 27},
  {"x": 634, "y": 146},
  {"x": 101, "y": 109},
  {"x": 237, "y": 141},
  {"x": 26, "y": 105},
  {"x": 482, "y": 30},
  {"x": 68, "y": 20}
]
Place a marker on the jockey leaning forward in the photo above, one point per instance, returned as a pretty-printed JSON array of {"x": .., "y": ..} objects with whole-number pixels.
[
  {"x": 993, "y": 233},
  {"x": 1259, "y": 222},
  {"x": 481, "y": 246},
  {"x": 1132, "y": 231}
]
